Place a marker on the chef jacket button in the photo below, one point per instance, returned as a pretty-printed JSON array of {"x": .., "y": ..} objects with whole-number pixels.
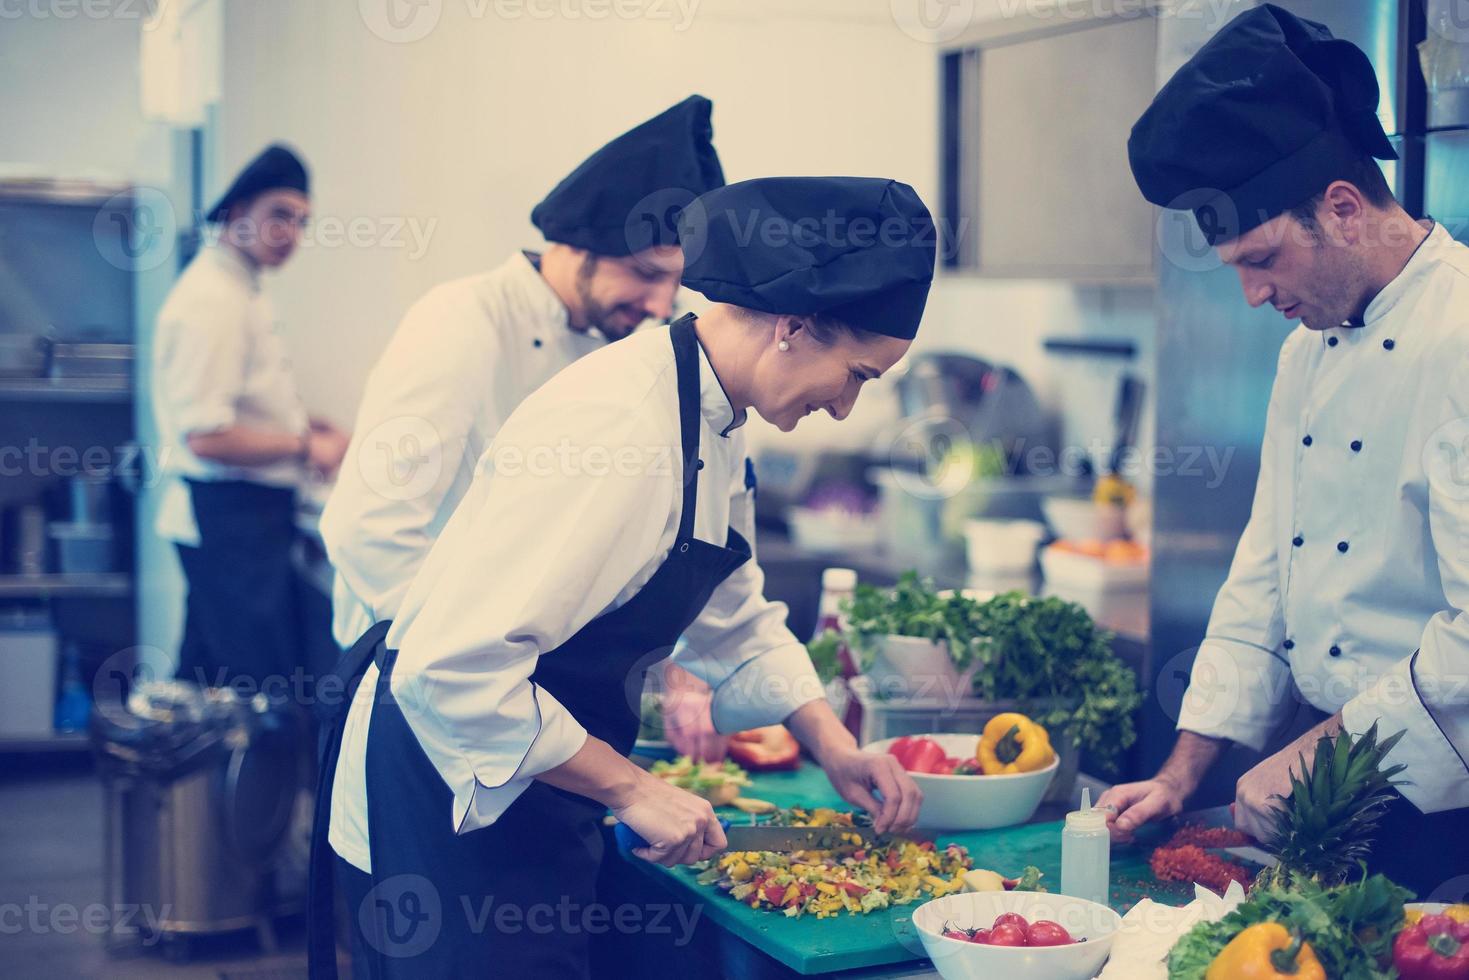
[
  {"x": 1289, "y": 644},
  {"x": 1356, "y": 445},
  {"x": 1335, "y": 650},
  {"x": 1297, "y": 540},
  {"x": 1330, "y": 341},
  {"x": 536, "y": 342},
  {"x": 699, "y": 465},
  {"x": 1388, "y": 344},
  {"x": 1341, "y": 546},
  {"x": 1306, "y": 441}
]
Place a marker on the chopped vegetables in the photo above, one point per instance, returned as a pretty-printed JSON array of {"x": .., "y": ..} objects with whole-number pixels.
[
  {"x": 853, "y": 879},
  {"x": 753, "y": 806},
  {"x": 718, "y": 782},
  {"x": 1185, "y": 858}
]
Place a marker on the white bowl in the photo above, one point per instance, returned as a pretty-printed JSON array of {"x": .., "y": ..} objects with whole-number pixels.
[
  {"x": 914, "y": 668},
  {"x": 1073, "y": 518},
  {"x": 975, "y": 802},
  {"x": 825, "y": 531},
  {"x": 958, "y": 960}
]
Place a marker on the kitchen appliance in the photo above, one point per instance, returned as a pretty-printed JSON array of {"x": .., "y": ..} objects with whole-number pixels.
[
  {"x": 199, "y": 788},
  {"x": 83, "y": 549}
]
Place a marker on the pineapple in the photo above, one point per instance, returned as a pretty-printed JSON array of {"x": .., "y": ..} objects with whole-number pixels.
[{"x": 1323, "y": 830}]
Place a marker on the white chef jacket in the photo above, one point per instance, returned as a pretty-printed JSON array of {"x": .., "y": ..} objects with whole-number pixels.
[
  {"x": 570, "y": 513},
  {"x": 218, "y": 361},
  {"x": 464, "y": 356},
  {"x": 1351, "y": 580}
]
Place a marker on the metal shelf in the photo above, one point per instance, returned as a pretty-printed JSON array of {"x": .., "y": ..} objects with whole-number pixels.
[
  {"x": 118, "y": 390},
  {"x": 58, "y": 742},
  {"x": 62, "y": 585}
]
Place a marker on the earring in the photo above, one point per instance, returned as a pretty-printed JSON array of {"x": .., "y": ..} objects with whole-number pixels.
[{"x": 784, "y": 345}]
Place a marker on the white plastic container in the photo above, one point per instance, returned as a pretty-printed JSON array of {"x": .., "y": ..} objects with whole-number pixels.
[
  {"x": 958, "y": 960},
  {"x": 1086, "y": 853},
  {"x": 997, "y": 547}
]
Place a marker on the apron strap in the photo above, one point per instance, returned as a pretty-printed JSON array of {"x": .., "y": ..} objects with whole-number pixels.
[
  {"x": 686, "y": 361},
  {"x": 321, "y": 870}
]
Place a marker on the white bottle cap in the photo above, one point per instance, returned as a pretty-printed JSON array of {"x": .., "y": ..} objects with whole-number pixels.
[
  {"x": 1088, "y": 817},
  {"x": 839, "y": 580}
]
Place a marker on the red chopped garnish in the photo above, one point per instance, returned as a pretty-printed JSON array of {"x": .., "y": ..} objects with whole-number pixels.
[
  {"x": 1191, "y": 863},
  {"x": 1201, "y": 836}
]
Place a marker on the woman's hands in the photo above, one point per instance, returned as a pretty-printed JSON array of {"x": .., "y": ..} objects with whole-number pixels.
[{"x": 680, "y": 828}]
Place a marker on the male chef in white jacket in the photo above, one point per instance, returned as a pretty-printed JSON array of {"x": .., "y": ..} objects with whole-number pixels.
[
  {"x": 471, "y": 350},
  {"x": 1350, "y": 584}
]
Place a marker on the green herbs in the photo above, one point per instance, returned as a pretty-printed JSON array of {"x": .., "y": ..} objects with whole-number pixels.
[
  {"x": 911, "y": 608},
  {"x": 1049, "y": 655},
  {"x": 1351, "y": 927},
  {"x": 1045, "y": 654},
  {"x": 826, "y": 655}
]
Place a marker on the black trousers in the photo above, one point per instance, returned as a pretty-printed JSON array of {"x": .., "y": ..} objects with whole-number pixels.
[
  {"x": 1426, "y": 852},
  {"x": 248, "y": 619}
]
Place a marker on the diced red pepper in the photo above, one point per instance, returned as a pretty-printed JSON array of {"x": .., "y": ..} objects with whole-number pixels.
[
  {"x": 852, "y": 888},
  {"x": 927, "y": 755}
]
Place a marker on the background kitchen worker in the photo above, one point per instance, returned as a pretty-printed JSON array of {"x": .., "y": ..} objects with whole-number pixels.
[
  {"x": 611, "y": 516},
  {"x": 1350, "y": 582},
  {"x": 238, "y": 441},
  {"x": 469, "y": 351}
]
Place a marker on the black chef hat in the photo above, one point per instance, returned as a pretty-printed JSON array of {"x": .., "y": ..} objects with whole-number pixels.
[
  {"x": 626, "y": 196},
  {"x": 860, "y": 249},
  {"x": 1264, "y": 116},
  {"x": 275, "y": 168}
]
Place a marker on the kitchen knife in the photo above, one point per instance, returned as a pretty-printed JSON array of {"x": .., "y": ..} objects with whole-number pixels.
[
  {"x": 750, "y": 837},
  {"x": 1223, "y": 816}
]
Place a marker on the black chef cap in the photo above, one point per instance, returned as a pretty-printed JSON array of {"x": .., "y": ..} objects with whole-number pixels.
[
  {"x": 626, "y": 196},
  {"x": 276, "y": 168},
  {"x": 859, "y": 249},
  {"x": 1260, "y": 120}
]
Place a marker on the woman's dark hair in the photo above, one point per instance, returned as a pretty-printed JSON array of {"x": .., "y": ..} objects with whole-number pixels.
[
  {"x": 826, "y": 331},
  {"x": 1366, "y": 175}
]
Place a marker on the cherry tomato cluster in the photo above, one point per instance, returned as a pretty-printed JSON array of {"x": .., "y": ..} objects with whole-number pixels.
[
  {"x": 924, "y": 755},
  {"x": 1012, "y": 929}
]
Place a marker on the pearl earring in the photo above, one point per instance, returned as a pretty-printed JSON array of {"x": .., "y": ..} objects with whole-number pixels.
[{"x": 784, "y": 345}]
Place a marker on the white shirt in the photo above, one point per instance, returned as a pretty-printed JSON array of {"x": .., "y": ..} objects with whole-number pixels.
[
  {"x": 570, "y": 513},
  {"x": 1379, "y": 503},
  {"x": 217, "y": 362},
  {"x": 465, "y": 355}
]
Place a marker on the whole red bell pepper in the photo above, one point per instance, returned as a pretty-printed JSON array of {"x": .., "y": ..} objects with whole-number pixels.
[
  {"x": 765, "y": 749},
  {"x": 1434, "y": 948}
]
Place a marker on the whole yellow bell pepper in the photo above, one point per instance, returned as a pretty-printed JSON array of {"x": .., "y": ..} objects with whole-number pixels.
[
  {"x": 1266, "y": 951},
  {"x": 1011, "y": 742}
]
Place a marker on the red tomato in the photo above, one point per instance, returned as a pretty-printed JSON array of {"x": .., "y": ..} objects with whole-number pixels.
[
  {"x": 1007, "y": 934},
  {"x": 925, "y": 757},
  {"x": 1044, "y": 932},
  {"x": 1013, "y": 918},
  {"x": 951, "y": 933},
  {"x": 944, "y": 767},
  {"x": 980, "y": 937}
]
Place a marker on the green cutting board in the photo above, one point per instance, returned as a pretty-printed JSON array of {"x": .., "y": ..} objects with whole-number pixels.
[{"x": 809, "y": 945}]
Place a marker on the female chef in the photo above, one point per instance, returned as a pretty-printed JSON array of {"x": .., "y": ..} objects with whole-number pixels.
[{"x": 611, "y": 515}]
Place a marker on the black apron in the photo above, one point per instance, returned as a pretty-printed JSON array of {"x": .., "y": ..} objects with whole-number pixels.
[
  {"x": 244, "y": 619},
  {"x": 517, "y": 898}
]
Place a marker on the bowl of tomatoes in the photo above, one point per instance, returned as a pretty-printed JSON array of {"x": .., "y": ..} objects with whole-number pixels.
[
  {"x": 956, "y": 794},
  {"x": 1016, "y": 935}
]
